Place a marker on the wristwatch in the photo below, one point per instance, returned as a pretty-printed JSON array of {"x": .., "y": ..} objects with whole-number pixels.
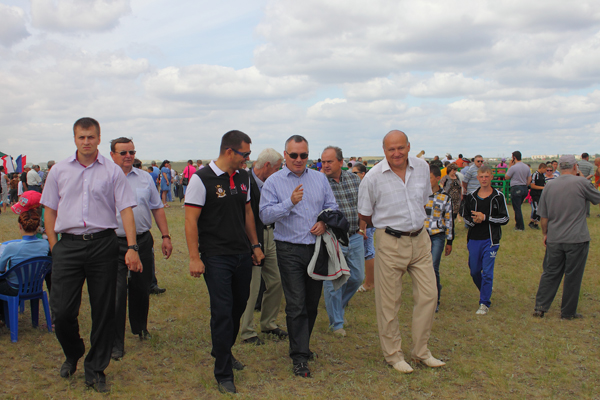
[
  {"x": 257, "y": 246},
  {"x": 166, "y": 236},
  {"x": 134, "y": 247}
]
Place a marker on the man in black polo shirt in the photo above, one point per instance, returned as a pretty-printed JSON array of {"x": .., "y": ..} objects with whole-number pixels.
[{"x": 222, "y": 245}]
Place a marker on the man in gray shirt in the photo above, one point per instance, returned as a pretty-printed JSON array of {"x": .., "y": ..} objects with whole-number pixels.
[
  {"x": 520, "y": 177},
  {"x": 587, "y": 171},
  {"x": 470, "y": 182},
  {"x": 566, "y": 237}
]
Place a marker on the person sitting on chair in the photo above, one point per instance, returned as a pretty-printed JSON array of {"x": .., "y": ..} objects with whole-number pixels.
[{"x": 30, "y": 246}]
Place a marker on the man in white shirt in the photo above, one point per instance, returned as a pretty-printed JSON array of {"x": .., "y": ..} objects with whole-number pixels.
[
  {"x": 137, "y": 284},
  {"x": 34, "y": 182},
  {"x": 392, "y": 198}
]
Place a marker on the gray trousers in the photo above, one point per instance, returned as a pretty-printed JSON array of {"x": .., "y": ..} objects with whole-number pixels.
[
  {"x": 271, "y": 298},
  {"x": 566, "y": 259}
]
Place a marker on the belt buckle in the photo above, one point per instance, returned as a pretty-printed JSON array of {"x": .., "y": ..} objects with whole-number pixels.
[{"x": 90, "y": 236}]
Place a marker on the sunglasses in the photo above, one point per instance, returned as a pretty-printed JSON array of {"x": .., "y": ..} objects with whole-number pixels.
[
  {"x": 303, "y": 156},
  {"x": 245, "y": 155},
  {"x": 131, "y": 152}
]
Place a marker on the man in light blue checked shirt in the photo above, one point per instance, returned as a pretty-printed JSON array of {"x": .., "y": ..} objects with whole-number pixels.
[{"x": 292, "y": 198}]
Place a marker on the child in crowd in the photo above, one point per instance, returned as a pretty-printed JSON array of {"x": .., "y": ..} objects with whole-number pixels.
[
  {"x": 439, "y": 224},
  {"x": 484, "y": 213},
  {"x": 538, "y": 181}
]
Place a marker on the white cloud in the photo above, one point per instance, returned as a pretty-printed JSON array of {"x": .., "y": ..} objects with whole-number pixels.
[
  {"x": 205, "y": 84},
  {"x": 78, "y": 15},
  {"x": 12, "y": 25}
]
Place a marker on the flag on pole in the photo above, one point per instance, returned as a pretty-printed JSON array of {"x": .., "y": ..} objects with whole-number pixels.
[
  {"x": 20, "y": 163},
  {"x": 9, "y": 167}
]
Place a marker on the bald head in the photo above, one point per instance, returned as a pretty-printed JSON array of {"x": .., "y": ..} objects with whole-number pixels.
[{"x": 395, "y": 134}]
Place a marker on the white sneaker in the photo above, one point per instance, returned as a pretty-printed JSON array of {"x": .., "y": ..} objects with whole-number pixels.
[{"x": 483, "y": 309}]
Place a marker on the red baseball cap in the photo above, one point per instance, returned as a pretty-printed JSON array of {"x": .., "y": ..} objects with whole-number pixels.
[{"x": 29, "y": 200}]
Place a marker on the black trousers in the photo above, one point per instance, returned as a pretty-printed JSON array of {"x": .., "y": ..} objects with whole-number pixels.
[
  {"x": 228, "y": 282},
  {"x": 138, "y": 287},
  {"x": 74, "y": 262},
  {"x": 302, "y": 295},
  {"x": 566, "y": 259}
]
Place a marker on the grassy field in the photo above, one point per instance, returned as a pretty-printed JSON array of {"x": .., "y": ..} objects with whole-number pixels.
[{"x": 506, "y": 354}]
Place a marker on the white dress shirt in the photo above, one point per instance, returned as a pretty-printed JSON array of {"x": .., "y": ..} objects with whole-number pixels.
[{"x": 392, "y": 202}]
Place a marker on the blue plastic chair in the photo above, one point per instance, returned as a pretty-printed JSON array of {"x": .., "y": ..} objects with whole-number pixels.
[{"x": 30, "y": 274}]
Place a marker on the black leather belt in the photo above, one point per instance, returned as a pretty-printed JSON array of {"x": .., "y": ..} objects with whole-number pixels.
[
  {"x": 398, "y": 234},
  {"x": 88, "y": 236}
]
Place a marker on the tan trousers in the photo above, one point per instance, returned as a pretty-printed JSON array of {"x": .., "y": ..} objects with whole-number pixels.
[
  {"x": 394, "y": 257},
  {"x": 272, "y": 296}
]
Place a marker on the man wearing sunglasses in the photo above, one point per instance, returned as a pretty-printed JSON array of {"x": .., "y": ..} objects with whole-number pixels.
[
  {"x": 222, "y": 245},
  {"x": 292, "y": 198},
  {"x": 137, "y": 285}
]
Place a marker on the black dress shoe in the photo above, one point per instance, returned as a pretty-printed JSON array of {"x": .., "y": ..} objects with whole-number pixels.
[
  {"x": 280, "y": 333},
  {"x": 227, "y": 387},
  {"x": 538, "y": 314},
  {"x": 145, "y": 335},
  {"x": 117, "y": 355},
  {"x": 157, "y": 290},
  {"x": 236, "y": 364},
  {"x": 100, "y": 387},
  {"x": 68, "y": 368},
  {"x": 254, "y": 340},
  {"x": 570, "y": 317}
]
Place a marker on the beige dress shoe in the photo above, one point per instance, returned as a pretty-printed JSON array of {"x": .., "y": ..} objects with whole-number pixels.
[
  {"x": 431, "y": 362},
  {"x": 340, "y": 332},
  {"x": 402, "y": 366}
]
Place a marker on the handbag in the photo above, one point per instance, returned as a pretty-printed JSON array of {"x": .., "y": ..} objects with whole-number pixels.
[{"x": 185, "y": 180}]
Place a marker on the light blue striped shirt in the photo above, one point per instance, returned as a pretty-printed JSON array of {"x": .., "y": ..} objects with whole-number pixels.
[{"x": 294, "y": 222}]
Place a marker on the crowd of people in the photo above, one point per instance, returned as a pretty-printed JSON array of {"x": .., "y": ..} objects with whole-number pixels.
[{"x": 284, "y": 228}]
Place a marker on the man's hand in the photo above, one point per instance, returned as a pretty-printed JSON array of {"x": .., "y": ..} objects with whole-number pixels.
[
  {"x": 545, "y": 238},
  {"x": 257, "y": 256},
  {"x": 132, "y": 260},
  {"x": 448, "y": 250},
  {"x": 196, "y": 268},
  {"x": 297, "y": 194},
  {"x": 478, "y": 217},
  {"x": 363, "y": 234},
  {"x": 167, "y": 248},
  {"x": 318, "y": 229}
]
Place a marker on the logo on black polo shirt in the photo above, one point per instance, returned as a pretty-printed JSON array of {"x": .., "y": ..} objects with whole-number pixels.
[
  {"x": 244, "y": 188},
  {"x": 220, "y": 191}
]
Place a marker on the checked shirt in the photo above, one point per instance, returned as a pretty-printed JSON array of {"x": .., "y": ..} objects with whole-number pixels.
[
  {"x": 439, "y": 215},
  {"x": 346, "y": 197}
]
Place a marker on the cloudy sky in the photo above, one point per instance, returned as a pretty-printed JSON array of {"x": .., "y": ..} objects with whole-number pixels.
[{"x": 468, "y": 76}]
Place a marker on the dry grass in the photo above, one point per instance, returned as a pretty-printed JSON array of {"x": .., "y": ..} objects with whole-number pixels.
[{"x": 506, "y": 354}]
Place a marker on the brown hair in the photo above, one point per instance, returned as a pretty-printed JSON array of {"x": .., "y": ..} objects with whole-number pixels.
[
  {"x": 451, "y": 167},
  {"x": 29, "y": 220}
]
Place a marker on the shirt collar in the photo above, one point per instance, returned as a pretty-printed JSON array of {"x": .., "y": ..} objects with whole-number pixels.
[
  {"x": 99, "y": 158},
  {"x": 29, "y": 237},
  {"x": 386, "y": 166},
  {"x": 259, "y": 183},
  {"x": 217, "y": 170},
  {"x": 289, "y": 171}
]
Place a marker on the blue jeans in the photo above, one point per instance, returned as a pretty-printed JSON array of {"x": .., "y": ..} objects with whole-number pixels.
[
  {"x": 337, "y": 300},
  {"x": 482, "y": 258},
  {"x": 437, "y": 247},
  {"x": 517, "y": 196},
  {"x": 369, "y": 244},
  {"x": 228, "y": 282}
]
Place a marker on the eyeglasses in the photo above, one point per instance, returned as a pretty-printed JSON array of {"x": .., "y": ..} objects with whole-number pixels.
[
  {"x": 303, "y": 156},
  {"x": 123, "y": 153},
  {"x": 245, "y": 155}
]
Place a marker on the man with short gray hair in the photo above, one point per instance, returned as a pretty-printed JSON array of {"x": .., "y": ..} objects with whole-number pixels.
[
  {"x": 268, "y": 162},
  {"x": 566, "y": 237},
  {"x": 586, "y": 168}
]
